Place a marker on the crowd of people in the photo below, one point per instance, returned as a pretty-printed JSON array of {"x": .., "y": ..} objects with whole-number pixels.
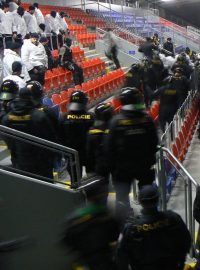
[
  {"x": 29, "y": 37},
  {"x": 123, "y": 145}
]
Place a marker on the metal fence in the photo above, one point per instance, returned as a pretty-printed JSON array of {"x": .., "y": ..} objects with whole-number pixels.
[{"x": 36, "y": 152}]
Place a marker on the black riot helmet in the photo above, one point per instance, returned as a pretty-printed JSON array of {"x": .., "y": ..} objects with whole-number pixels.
[
  {"x": 78, "y": 101},
  {"x": 104, "y": 111},
  {"x": 135, "y": 68},
  {"x": 149, "y": 196},
  {"x": 36, "y": 89},
  {"x": 132, "y": 97},
  {"x": 8, "y": 91}
]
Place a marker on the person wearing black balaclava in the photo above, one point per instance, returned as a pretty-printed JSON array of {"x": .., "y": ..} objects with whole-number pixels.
[{"x": 66, "y": 61}]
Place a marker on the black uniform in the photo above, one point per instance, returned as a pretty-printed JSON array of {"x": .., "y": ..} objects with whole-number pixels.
[
  {"x": 158, "y": 69},
  {"x": 65, "y": 59},
  {"x": 168, "y": 45},
  {"x": 95, "y": 157},
  {"x": 169, "y": 103},
  {"x": 49, "y": 55},
  {"x": 148, "y": 48},
  {"x": 182, "y": 84},
  {"x": 74, "y": 127},
  {"x": 187, "y": 69},
  {"x": 130, "y": 150},
  {"x": 148, "y": 77},
  {"x": 154, "y": 241},
  {"x": 134, "y": 77},
  {"x": 90, "y": 231},
  {"x": 25, "y": 156}
]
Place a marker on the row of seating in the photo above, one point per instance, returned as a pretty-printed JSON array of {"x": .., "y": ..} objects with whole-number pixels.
[
  {"x": 96, "y": 89},
  {"x": 86, "y": 39},
  {"x": 182, "y": 141},
  {"x": 56, "y": 78},
  {"x": 93, "y": 67},
  {"x": 77, "y": 29},
  {"x": 77, "y": 54},
  {"x": 60, "y": 77}
]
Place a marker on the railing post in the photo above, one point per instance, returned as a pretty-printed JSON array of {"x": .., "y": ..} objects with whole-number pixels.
[
  {"x": 189, "y": 212},
  {"x": 162, "y": 182}
]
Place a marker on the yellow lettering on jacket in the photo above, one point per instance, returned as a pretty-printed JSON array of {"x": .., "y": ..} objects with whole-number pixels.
[
  {"x": 126, "y": 122},
  {"x": 95, "y": 131},
  {"x": 170, "y": 92},
  {"x": 19, "y": 117},
  {"x": 152, "y": 226},
  {"x": 83, "y": 116}
]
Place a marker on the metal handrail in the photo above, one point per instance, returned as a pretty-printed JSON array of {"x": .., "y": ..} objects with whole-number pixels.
[
  {"x": 177, "y": 117},
  {"x": 189, "y": 182},
  {"x": 12, "y": 133}
]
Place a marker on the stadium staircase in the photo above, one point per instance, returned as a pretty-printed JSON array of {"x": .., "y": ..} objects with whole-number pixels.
[{"x": 102, "y": 82}]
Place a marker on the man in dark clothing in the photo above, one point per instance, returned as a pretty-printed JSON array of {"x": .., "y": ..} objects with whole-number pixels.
[
  {"x": 154, "y": 240},
  {"x": 130, "y": 146},
  {"x": 158, "y": 69},
  {"x": 44, "y": 41},
  {"x": 190, "y": 53},
  {"x": 182, "y": 84},
  {"x": 148, "y": 48},
  {"x": 133, "y": 77},
  {"x": 168, "y": 46},
  {"x": 91, "y": 230},
  {"x": 66, "y": 61},
  {"x": 8, "y": 91},
  {"x": 183, "y": 64},
  {"x": 112, "y": 51},
  {"x": 96, "y": 136},
  {"x": 171, "y": 95},
  {"x": 75, "y": 124},
  {"x": 37, "y": 93},
  {"x": 23, "y": 117},
  {"x": 148, "y": 78}
]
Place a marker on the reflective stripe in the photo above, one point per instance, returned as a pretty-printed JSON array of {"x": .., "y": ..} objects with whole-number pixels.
[
  {"x": 83, "y": 116},
  {"x": 95, "y": 131},
  {"x": 19, "y": 118}
]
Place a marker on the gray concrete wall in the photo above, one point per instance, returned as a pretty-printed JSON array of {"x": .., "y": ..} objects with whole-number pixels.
[
  {"x": 33, "y": 208},
  {"x": 124, "y": 50}
]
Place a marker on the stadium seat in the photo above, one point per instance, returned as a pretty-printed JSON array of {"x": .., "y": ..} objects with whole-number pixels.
[{"x": 56, "y": 99}]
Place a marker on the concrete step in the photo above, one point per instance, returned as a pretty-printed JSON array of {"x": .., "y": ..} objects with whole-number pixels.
[
  {"x": 89, "y": 52},
  {"x": 91, "y": 56}
]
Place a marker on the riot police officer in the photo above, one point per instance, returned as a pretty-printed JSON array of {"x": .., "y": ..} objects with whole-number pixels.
[
  {"x": 133, "y": 77},
  {"x": 148, "y": 78},
  {"x": 130, "y": 146},
  {"x": 75, "y": 124},
  {"x": 182, "y": 63},
  {"x": 91, "y": 230},
  {"x": 169, "y": 101},
  {"x": 96, "y": 135},
  {"x": 148, "y": 48},
  {"x": 37, "y": 93},
  {"x": 8, "y": 91},
  {"x": 182, "y": 84},
  {"x": 154, "y": 240},
  {"x": 24, "y": 117}
]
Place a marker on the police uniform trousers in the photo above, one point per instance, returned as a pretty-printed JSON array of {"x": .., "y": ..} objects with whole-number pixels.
[{"x": 123, "y": 181}]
